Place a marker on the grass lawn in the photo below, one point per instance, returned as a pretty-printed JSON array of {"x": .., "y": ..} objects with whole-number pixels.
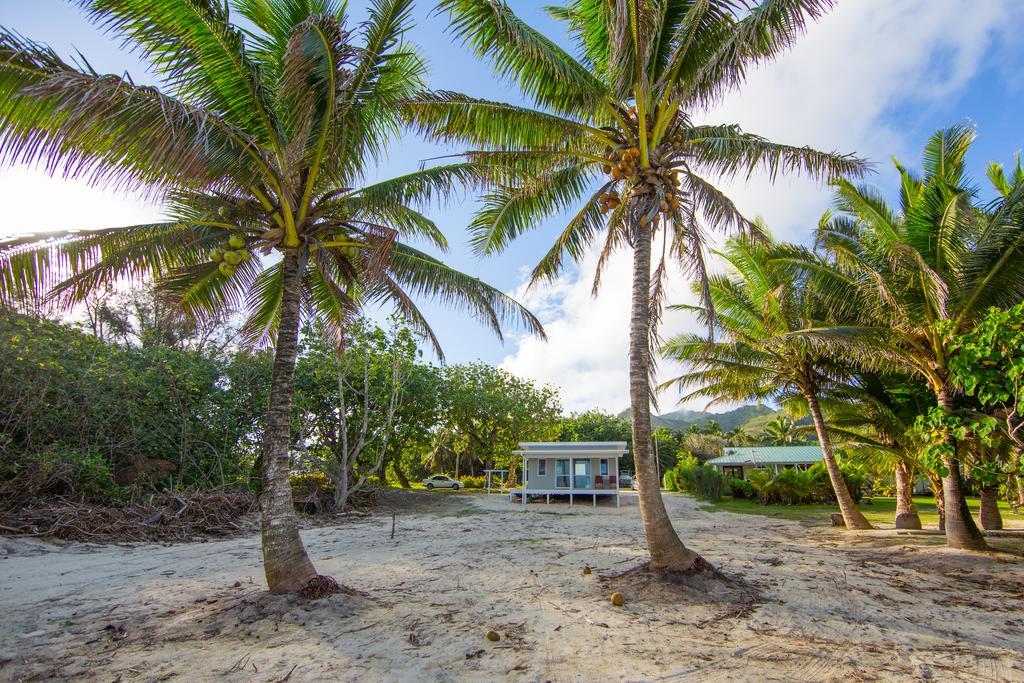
[{"x": 880, "y": 511}]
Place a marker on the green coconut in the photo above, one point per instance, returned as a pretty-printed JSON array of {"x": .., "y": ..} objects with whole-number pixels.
[
  {"x": 232, "y": 257},
  {"x": 227, "y": 269},
  {"x": 236, "y": 242},
  {"x": 217, "y": 254},
  {"x": 224, "y": 212}
]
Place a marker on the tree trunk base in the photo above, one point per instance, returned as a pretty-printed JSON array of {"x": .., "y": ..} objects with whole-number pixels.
[
  {"x": 988, "y": 514},
  {"x": 321, "y": 586},
  {"x": 908, "y": 520},
  {"x": 701, "y": 583}
]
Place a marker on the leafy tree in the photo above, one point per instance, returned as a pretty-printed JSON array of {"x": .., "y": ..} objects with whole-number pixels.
[
  {"x": 258, "y": 139},
  {"x": 354, "y": 404},
  {"x": 758, "y": 356},
  {"x": 614, "y": 139},
  {"x": 486, "y": 412},
  {"x": 936, "y": 263}
]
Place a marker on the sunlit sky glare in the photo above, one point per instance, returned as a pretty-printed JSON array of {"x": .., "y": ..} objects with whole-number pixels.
[{"x": 875, "y": 77}]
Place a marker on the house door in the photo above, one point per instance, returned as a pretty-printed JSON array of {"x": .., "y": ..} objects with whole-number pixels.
[
  {"x": 581, "y": 474},
  {"x": 561, "y": 474}
]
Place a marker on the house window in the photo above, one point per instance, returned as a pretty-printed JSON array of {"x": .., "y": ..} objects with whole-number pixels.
[
  {"x": 561, "y": 474},
  {"x": 542, "y": 468},
  {"x": 604, "y": 467},
  {"x": 733, "y": 471}
]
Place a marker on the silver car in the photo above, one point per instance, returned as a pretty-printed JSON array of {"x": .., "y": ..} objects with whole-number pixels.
[{"x": 442, "y": 481}]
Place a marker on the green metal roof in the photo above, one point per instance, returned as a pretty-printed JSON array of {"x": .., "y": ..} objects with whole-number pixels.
[{"x": 769, "y": 455}]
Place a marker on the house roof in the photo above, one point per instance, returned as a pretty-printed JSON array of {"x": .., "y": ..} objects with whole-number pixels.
[
  {"x": 769, "y": 455},
  {"x": 555, "y": 448}
]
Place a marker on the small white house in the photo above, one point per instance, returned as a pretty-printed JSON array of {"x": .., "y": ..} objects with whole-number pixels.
[{"x": 569, "y": 468}]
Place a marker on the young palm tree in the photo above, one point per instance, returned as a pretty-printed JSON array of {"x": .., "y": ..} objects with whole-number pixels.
[
  {"x": 614, "y": 138},
  {"x": 258, "y": 139},
  {"x": 938, "y": 260},
  {"x": 758, "y": 356}
]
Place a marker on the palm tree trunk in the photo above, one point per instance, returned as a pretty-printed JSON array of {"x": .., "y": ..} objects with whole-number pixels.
[
  {"x": 988, "y": 514},
  {"x": 940, "y": 504},
  {"x": 663, "y": 544},
  {"x": 852, "y": 517},
  {"x": 961, "y": 531},
  {"x": 906, "y": 511},
  {"x": 403, "y": 481},
  {"x": 285, "y": 562}
]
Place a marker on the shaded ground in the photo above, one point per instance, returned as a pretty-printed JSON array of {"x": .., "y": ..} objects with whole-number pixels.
[
  {"x": 878, "y": 510},
  {"x": 833, "y": 605}
]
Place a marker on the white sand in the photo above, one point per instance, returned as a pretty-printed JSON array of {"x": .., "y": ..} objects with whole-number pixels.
[{"x": 836, "y": 606}]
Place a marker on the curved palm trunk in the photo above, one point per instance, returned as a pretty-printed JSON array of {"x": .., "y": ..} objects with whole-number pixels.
[
  {"x": 852, "y": 517},
  {"x": 988, "y": 513},
  {"x": 666, "y": 550},
  {"x": 961, "y": 531},
  {"x": 906, "y": 511},
  {"x": 285, "y": 562},
  {"x": 403, "y": 481}
]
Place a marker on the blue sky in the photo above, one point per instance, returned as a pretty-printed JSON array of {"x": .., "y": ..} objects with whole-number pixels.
[{"x": 874, "y": 77}]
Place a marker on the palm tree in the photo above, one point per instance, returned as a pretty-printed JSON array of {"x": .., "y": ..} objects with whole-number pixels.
[
  {"x": 938, "y": 262},
  {"x": 780, "y": 431},
  {"x": 614, "y": 138},
  {"x": 758, "y": 356},
  {"x": 873, "y": 418},
  {"x": 258, "y": 139}
]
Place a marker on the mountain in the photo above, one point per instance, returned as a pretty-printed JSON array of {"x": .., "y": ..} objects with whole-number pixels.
[{"x": 729, "y": 420}]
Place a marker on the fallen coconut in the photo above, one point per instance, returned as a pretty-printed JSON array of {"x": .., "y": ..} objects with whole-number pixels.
[
  {"x": 493, "y": 636},
  {"x": 618, "y": 600},
  {"x": 586, "y": 571}
]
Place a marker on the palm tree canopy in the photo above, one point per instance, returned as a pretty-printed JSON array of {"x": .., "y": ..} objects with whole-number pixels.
[
  {"x": 941, "y": 258},
  {"x": 611, "y": 134},
  {"x": 758, "y": 309},
  {"x": 260, "y": 135}
]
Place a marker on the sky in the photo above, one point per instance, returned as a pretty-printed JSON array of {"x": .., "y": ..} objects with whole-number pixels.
[{"x": 873, "y": 77}]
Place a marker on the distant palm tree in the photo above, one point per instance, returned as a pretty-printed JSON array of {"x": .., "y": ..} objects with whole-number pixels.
[
  {"x": 780, "y": 431},
  {"x": 757, "y": 355},
  {"x": 614, "y": 139},
  {"x": 937, "y": 260},
  {"x": 259, "y": 139}
]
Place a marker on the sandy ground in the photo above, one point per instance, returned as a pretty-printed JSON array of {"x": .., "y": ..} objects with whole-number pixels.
[{"x": 833, "y": 605}]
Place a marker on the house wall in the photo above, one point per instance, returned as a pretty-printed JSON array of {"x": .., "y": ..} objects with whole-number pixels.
[{"x": 547, "y": 481}]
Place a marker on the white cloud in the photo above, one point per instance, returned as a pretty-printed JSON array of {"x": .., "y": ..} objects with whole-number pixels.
[
  {"x": 36, "y": 202},
  {"x": 833, "y": 91}
]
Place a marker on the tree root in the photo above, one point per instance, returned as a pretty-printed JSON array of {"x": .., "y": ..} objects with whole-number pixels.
[
  {"x": 321, "y": 586},
  {"x": 701, "y": 583}
]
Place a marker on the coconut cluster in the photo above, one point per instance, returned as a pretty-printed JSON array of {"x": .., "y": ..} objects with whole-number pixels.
[
  {"x": 231, "y": 255},
  {"x": 657, "y": 183}
]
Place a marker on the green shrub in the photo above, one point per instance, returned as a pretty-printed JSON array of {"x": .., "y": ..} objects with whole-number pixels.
[
  {"x": 668, "y": 481},
  {"x": 472, "y": 482},
  {"x": 57, "y": 472},
  {"x": 741, "y": 488},
  {"x": 707, "y": 483}
]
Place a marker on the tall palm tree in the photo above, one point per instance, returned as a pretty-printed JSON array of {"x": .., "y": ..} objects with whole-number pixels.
[
  {"x": 938, "y": 262},
  {"x": 614, "y": 137},
  {"x": 757, "y": 355},
  {"x": 258, "y": 138}
]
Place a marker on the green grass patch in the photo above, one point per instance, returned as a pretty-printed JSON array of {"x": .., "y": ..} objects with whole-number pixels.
[{"x": 880, "y": 511}]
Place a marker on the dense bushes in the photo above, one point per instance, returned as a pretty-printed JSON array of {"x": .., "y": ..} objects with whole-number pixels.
[
  {"x": 478, "y": 482},
  {"x": 78, "y": 415},
  {"x": 700, "y": 481},
  {"x": 794, "y": 486}
]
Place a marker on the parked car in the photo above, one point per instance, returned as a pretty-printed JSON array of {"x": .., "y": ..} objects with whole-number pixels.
[
  {"x": 442, "y": 481},
  {"x": 626, "y": 481}
]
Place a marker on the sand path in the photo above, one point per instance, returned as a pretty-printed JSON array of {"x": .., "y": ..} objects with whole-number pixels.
[{"x": 835, "y": 606}]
